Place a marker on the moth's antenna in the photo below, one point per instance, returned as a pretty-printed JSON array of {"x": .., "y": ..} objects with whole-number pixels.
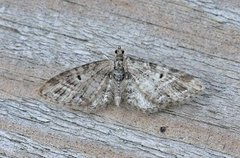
[
  {"x": 108, "y": 43},
  {"x": 105, "y": 55},
  {"x": 102, "y": 39},
  {"x": 104, "y": 52}
]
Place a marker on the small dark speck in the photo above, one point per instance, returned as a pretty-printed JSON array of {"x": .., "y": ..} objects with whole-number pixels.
[
  {"x": 161, "y": 75},
  {"x": 79, "y": 77},
  {"x": 163, "y": 129}
]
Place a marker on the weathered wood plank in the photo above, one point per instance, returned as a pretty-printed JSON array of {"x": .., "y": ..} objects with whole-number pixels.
[
  {"x": 39, "y": 40},
  {"x": 74, "y": 130}
]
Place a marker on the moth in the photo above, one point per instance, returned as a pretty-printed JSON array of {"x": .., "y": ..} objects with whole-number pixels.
[{"x": 126, "y": 81}]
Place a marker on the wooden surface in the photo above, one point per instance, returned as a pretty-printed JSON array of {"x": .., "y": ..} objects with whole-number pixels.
[{"x": 39, "y": 39}]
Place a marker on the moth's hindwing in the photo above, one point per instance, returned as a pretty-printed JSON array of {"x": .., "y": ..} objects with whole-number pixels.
[
  {"x": 159, "y": 85},
  {"x": 134, "y": 97},
  {"x": 78, "y": 86}
]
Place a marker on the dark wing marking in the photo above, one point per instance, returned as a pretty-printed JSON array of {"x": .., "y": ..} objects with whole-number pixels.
[
  {"x": 78, "y": 86},
  {"x": 160, "y": 85}
]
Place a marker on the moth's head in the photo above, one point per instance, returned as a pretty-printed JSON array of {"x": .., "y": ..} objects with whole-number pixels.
[{"x": 119, "y": 53}]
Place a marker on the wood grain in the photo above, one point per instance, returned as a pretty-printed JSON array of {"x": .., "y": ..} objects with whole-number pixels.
[{"x": 39, "y": 39}]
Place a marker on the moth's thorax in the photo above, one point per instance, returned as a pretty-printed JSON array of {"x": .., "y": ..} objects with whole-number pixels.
[{"x": 118, "y": 72}]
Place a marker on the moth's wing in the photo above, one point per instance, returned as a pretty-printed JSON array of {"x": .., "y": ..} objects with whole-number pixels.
[
  {"x": 78, "y": 86},
  {"x": 133, "y": 97},
  {"x": 105, "y": 96},
  {"x": 161, "y": 85}
]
